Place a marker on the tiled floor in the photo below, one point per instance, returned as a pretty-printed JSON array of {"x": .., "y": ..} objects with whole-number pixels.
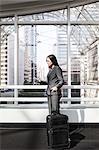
[{"x": 82, "y": 138}]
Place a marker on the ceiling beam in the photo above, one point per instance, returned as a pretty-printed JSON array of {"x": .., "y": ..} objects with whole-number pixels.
[{"x": 39, "y": 6}]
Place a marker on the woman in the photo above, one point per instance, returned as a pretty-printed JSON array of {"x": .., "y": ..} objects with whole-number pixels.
[{"x": 55, "y": 82}]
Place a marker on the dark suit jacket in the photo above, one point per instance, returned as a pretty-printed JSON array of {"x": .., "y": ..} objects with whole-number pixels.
[{"x": 54, "y": 78}]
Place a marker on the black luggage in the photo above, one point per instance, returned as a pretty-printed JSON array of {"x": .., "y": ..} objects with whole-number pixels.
[{"x": 57, "y": 131}]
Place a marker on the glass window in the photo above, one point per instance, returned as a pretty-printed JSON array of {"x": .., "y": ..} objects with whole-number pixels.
[
  {"x": 35, "y": 44},
  {"x": 84, "y": 43},
  {"x": 7, "y": 19},
  {"x": 84, "y": 56},
  {"x": 49, "y": 16},
  {"x": 88, "y": 12},
  {"x": 7, "y": 59}
]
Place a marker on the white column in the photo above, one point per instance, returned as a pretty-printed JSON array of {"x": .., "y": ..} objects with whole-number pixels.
[
  {"x": 16, "y": 55},
  {"x": 68, "y": 53}
]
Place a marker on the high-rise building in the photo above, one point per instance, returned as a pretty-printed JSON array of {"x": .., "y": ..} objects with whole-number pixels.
[
  {"x": 93, "y": 69},
  {"x": 30, "y": 54},
  {"x": 10, "y": 58},
  {"x": 62, "y": 55},
  {"x": 4, "y": 63},
  {"x": 7, "y": 62},
  {"x": 27, "y": 67}
]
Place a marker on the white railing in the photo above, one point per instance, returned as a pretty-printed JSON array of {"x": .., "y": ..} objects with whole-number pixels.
[
  {"x": 37, "y": 101},
  {"x": 44, "y": 87}
]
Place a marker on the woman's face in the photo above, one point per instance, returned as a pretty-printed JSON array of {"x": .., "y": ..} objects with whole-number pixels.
[{"x": 49, "y": 62}]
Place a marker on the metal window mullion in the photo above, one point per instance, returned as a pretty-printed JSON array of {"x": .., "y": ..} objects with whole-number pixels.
[
  {"x": 16, "y": 45},
  {"x": 0, "y": 55},
  {"x": 42, "y": 22},
  {"x": 68, "y": 53},
  {"x": 98, "y": 69}
]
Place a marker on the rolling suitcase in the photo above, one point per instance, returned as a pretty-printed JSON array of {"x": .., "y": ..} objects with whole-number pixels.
[{"x": 57, "y": 131}]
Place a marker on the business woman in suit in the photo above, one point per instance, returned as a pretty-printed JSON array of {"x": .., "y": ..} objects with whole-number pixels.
[{"x": 55, "y": 82}]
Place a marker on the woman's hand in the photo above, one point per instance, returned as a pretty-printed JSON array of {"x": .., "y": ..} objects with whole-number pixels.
[{"x": 53, "y": 89}]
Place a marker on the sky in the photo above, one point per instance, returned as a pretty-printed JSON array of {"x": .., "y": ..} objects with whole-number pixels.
[{"x": 47, "y": 41}]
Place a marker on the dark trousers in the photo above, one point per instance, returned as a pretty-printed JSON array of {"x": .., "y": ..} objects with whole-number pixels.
[{"x": 53, "y": 103}]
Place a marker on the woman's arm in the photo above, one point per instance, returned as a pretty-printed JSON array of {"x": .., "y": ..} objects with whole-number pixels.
[
  {"x": 60, "y": 77},
  {"x": 43, "y": 82}
]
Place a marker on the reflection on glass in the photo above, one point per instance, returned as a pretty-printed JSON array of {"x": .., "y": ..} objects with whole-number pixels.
[
  {"x": 84, "y": 45},
  {"x": 88, "y": 12},
  {"x": 50, "y": 16},
  {"x": 6, "y": 92},
  {"x": 84, "y": 56},
  {"x": 91, "y": 93},
  {"x": 7, "y": 19}
]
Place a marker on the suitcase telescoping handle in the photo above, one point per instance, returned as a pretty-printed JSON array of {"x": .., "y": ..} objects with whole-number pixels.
[{"x": 54, "y": 113}]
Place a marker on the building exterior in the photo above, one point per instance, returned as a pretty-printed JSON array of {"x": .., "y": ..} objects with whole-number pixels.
[
  {"x": 7, "y": 62},
  {"x": 10, "y": 57},
  {"x": 27, "y": 67},
  {"x": 93, "y": 69},
  {"x": 62, "y": 55},
  {"x": 4, "y": 61},
  {"x": 30, "y": 56}
]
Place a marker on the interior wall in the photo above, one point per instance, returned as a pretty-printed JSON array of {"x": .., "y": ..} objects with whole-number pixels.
[{"x": 31, "y": 115}]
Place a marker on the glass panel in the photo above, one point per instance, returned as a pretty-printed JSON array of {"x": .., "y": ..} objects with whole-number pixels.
[
  {"x": 35, "y": 44},
  {"x": 92, "y": 93},
  {"x": 6, "y": 60},
  {"x": 62, "y": 53},
  {"x": 82, "y": 39},
  {"x": 75, "y": 62},
  {"x": 9, "y": 19},
  {"x": 7, "y": 55},
  {"x": 93, "y": 69},
  {"x": 84, "y": 56},
  {"x": 53, "y": 16},
  {"x": 85, "y": 13},
  {"x": 6, "y": 93},
  {"x": 32, "y": 93}
]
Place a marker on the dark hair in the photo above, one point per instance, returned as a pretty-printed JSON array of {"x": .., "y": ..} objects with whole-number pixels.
[{"x": 53, "y": 59}]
